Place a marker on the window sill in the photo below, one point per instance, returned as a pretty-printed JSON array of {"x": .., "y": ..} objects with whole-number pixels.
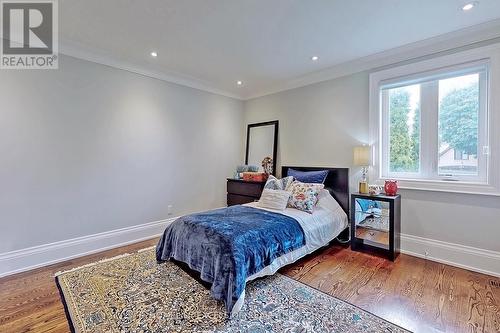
[{"x": 446, "y": 186}]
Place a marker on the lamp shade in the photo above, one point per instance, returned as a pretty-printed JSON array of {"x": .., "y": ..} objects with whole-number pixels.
[{"x": 362, "y": 156}]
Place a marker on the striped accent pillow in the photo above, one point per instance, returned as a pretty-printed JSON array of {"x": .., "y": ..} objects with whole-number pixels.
[{"x": 274, "y": 183}]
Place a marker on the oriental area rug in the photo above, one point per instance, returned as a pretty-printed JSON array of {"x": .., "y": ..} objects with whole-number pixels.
[{"x": 134, "y": 293}]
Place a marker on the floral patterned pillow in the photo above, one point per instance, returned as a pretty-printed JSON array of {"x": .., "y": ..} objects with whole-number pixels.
[
  {"x": 274, "y": 183},
  {"x": 304, "y": 195}
]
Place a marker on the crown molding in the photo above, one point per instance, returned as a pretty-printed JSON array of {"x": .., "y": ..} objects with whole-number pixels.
[
  {"x": 75, "y": 50},
  {"x": 474, "y": 36},
  {"x": 477, "y": 35}
]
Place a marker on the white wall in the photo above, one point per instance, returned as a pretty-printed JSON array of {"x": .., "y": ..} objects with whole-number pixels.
[
  {"x": 88, "y": 148},
  {"x": 319, "y": 126},
  {"x": 319, "y": 123}
]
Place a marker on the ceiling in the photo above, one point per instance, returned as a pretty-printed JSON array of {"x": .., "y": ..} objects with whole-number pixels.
[{"x": 211, "y": 44}]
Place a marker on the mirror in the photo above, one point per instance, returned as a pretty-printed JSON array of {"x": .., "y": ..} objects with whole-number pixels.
[
  {"x": 372, "y": 221},
  {"x": 262, "y": 142}
]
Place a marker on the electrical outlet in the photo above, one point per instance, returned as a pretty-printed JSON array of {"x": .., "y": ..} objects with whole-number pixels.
[{"x": 169, "y": 209}]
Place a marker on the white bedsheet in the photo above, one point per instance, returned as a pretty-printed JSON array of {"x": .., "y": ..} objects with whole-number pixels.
[{"x": 320, "y": 228}]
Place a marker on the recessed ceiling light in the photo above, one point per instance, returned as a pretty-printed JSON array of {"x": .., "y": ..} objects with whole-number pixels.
[
  {"x": 469, "y": 6},
  {"x": 239, "y": 83},
  {"x": 154, "y": 54},
  {"x": 314, "y": 58}
]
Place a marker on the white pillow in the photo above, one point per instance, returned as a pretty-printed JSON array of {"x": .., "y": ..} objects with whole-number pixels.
[
  {"x": 326, "y": 201},
  {"x": 274, "y": 199}
]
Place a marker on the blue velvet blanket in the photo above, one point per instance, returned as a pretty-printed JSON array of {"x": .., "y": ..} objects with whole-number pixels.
[{"x": 228, "y": 245}]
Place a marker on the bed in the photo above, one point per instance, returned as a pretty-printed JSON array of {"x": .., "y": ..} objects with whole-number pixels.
[{"x": 230, "y": 246}]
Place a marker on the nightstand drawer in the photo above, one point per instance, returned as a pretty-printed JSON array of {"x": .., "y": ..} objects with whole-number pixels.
[
  {"x": 235, "y": 199},
  {"x": 376, "y": 236},
  {"x": 245, "y": 188}
]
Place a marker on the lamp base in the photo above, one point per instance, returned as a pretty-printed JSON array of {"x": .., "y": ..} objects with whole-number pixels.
[{"x": 363, "y": 187}]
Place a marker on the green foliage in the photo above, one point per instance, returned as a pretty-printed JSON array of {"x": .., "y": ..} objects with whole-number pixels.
[
  {"x": 458, "y": 119},
  {"x": 458, "y": 126},
  {"x": 403, "y": 147},
  {"x": 415, "y": 141}
]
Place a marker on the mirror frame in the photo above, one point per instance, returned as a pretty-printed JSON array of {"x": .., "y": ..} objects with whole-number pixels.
[{"x": 275, "y": 143}]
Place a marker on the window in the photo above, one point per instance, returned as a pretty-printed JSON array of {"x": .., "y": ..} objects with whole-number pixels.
[
  {"x": 458, "y": 126},
  {"x": 433, "y": 119},
  {"x": 431, "y": 125},
  {"x": 402, "y": 105}
]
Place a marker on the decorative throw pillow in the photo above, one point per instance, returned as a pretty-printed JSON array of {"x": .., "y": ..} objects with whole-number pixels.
[
  {"x": 304, "y": 196},
  {"x": 274, "y": 199},
  {"x": 274, "y": 183},
  {"x": 317, "y": 177},
  {"x": 326, "y": 201}
]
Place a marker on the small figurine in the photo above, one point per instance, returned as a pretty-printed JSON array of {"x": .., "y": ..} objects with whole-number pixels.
[{"x": 267, "y": 164}]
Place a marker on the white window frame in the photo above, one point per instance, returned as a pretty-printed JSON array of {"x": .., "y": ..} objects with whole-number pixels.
[
  {"x": 429, "y": 132},
  {"x": 488, "y": 56}
]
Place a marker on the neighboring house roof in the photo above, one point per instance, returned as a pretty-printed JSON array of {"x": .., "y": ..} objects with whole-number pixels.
[{"x": 447, "y": 149}]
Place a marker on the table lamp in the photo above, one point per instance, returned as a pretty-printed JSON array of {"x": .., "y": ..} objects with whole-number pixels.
[{"x": 362, "y": 159}]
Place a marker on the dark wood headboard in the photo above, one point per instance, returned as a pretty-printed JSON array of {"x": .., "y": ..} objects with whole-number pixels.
[{"x": 337, "y": 182}]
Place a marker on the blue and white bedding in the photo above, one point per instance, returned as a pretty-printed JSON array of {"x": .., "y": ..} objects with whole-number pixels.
[
  {"x": 229, "y": 244},
  {"x": 233, "y": 245}
]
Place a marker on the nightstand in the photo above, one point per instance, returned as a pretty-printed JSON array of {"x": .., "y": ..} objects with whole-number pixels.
[
  {"x": 240, "y": 191},
  {"x": 376, "y": 224}
]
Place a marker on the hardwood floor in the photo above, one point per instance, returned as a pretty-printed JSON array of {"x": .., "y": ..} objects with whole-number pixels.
[{"x": 420, "y": 295}]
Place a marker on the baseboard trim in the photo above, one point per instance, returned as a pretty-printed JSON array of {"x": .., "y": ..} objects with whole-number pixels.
[
  {"x": 466, "y": 257},
  {"x": 47, "y": 254}
]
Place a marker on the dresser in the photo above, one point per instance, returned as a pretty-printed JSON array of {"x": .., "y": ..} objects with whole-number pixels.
[{"x": 240, "y": 191}]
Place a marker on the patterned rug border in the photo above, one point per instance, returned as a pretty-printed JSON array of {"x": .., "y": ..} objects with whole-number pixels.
[
  {"x": 65, "y": 305},
  {"x": 340, "y": 299},
  {"x": 70, "y": 320},
  {"x": 103, "y": 261},
  {"x": 67, "y": 311}
]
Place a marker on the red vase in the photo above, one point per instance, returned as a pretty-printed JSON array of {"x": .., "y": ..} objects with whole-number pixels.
[{"x": 391, "y": 187}]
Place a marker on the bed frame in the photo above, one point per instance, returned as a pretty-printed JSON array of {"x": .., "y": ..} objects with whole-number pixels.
[{"x": 337, "y": 182}]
